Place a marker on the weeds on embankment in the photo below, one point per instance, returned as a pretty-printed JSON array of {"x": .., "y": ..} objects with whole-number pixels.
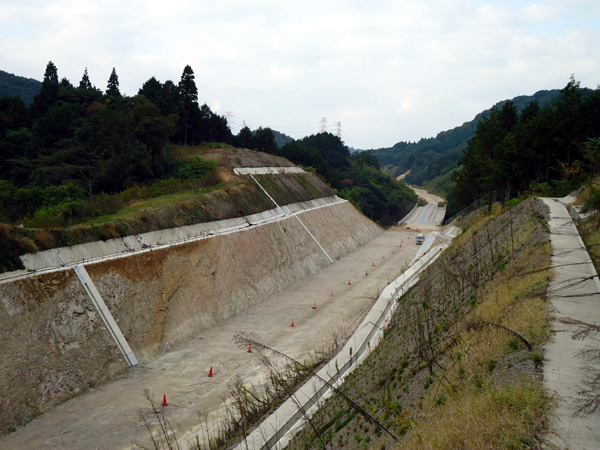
[{"x": 460, "y": 363}]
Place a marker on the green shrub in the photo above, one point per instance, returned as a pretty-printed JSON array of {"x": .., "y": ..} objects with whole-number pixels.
[{"x": 196, "y": 168}]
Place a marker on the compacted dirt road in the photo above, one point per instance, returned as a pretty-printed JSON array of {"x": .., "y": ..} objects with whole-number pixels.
[{"x": 107, "y": 418}]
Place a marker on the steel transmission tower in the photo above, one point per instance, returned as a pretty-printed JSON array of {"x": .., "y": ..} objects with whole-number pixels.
[
  {"x": 338, "y": 132},
  {"x": 229, "y": 115},
  {"x": 323, "y": 122}
]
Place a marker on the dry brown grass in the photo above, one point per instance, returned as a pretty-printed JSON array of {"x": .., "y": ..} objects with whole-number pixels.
[
  {"x": 482, "y": 218},
  {"x": 44, "y": 240},
  {"x": 590, "y": 232},
  {"x": 26, "y": 245},
  {"x": 494, "y": 418},
  {"x": 488, "y": 396}
]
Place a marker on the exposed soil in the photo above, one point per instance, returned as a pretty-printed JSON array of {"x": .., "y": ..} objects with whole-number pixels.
[{"x": 196, "y": 344}]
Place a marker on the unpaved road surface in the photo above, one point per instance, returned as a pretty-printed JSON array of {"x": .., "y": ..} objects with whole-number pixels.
[
  {"x": 107, "y": 418},
  {"x": 429, "y": 198}
]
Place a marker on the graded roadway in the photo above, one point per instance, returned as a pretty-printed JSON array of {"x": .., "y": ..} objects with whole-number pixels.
[
  {"x": 428, "y": 217},
  {"x": 107, "y": 417}
]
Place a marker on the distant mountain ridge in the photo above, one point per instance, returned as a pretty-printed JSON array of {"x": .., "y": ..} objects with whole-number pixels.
[
  {"x": 281, "y": 138},
  {"x": 25, "y": 88},
  {"x": 436, "y": 157}
]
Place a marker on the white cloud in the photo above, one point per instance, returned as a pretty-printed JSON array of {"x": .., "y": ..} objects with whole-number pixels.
[{"x": 389, "y": 70}]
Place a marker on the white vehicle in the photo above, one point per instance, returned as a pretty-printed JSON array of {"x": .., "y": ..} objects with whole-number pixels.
[{"x": 420, "y": 239}]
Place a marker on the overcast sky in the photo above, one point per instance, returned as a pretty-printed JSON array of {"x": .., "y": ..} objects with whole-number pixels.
[{"x": 387, "y": 70}]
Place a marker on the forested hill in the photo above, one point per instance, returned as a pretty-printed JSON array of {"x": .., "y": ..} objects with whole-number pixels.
[
  {"x": 24, "y": 88},
  {"x": 77, "y": 146},
  {"x": 435, "y": 157},
  {"x": 546, "y": 151}
]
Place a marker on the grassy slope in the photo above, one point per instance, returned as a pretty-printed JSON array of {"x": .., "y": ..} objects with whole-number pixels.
[
  {"x": 443, "y": 377},
  {"x": 590, "y": 228},
  {"x": 233, "y": 196}
]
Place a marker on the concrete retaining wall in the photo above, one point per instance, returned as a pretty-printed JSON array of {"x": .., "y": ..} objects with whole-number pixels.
[{"x": 66, "y": 257}]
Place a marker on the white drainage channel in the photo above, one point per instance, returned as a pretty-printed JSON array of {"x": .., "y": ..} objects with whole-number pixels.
[
  {"x": 298, "y": 218},
  {"x": 107, "y": 318}
]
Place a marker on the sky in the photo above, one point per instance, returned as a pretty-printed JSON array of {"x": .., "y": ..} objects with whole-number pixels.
[{"x": 388, "y": 71}]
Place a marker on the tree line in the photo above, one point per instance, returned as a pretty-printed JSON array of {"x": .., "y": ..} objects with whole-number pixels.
[
  {"x": 546, "y": 151},
  {"x": 356, "y": 177},
  {"x": 91, "y": 141},
  {"x": 76, "y": 141}
]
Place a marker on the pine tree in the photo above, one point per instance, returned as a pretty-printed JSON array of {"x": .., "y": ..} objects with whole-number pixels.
[
  {"x": 188, "y": 93},
  {"x": 48, "y": 94},
  {"x": 85, "y": 82},
  {"x": 64, "y": 82},
  {"x": 112, "y": 88},
  {"x": 187, "y": 87},
  {"x": 51, "y": 74},
  {"x": 151, "y": 89}
]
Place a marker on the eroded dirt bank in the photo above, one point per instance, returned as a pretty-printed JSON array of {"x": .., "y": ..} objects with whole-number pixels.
[{"x": 55, "y": 346}]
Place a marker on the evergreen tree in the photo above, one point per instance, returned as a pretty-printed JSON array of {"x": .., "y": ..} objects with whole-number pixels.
[
  {"x": 48, "y": 93},
  {"x": 112, "y": 88},
  {"x": 85, "y": 82},
  {"x": 188, "y": 93},
  {"x": 264, "y": 141},
  {"x": 66, "y": 83},
  {"x": 151, "y": 90},
  {"x": 168, "y": 99},
  {"x": 187, "y": 87},
  {"x": 244, "y": 138}
]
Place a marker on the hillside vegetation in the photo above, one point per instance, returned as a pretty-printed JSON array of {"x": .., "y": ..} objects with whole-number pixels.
[
  {"x": 78, "y": 152},
  {"x": 459, "y": 364},
  {"x": 433, "y": 157},
  {"x": 528, "y": 144},
  {"x": 549, "y": 151},
  {"x": 212, "y": 194},
  {"x": 15, "y": 86}
]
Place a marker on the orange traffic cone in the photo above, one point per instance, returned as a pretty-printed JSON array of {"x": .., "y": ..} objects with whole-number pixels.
[
  {"x": 249, "y": 348},
  {"x": 314, "y": 306},
  {"x": 165, "y": 400},
  {"x": 292, "y": 325},
  {"x": 349, "y": 284},
  {"x": 210, "y": 372}
]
